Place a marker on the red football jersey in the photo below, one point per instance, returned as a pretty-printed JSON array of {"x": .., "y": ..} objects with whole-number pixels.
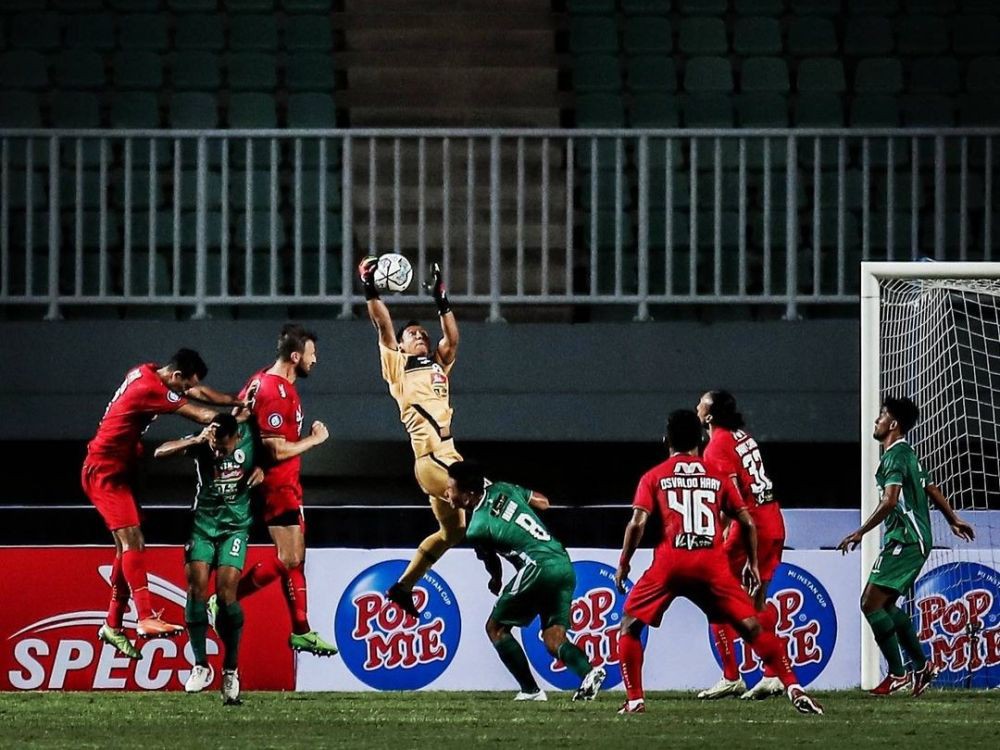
[
  {"x": 140, "y": 399},
  {"x": 689, "y": 494},
  {"x": 277, "y": 412},
  {"x": 737, "y": 453}
]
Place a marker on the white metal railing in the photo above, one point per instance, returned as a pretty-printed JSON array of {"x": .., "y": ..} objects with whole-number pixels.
[{"x": 517, "y": 217}]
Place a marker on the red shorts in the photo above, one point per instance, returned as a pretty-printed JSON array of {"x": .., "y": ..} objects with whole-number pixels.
[
  {"x": 702, "y": 577},
  {"x": 285, "y": 499},
  {"x": 106, "y": 485},
  {"x": 770, "y": 544}
]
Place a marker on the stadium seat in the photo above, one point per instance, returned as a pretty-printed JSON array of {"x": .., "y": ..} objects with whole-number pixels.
[
  {"x": 192, "y": 6},
  {"x": 309, "y": 71},
  {"x": 308, "y": 33},
  {"x": 922, "y": 35},
  {"x": 819, "y": 110},
  {"x": 944, "y": 7},
  {"x": 135, "y": 109},
  {"x": 213, "y": 188},
  {"x": 17, "y": 188},
  {"x": 976, "y": 35},
  {"x": 983, "y": 75},
  {"x": 253, "y": 33},
  {"x": 646, "y": 7},
  {"x": 762, "y": 110},
  {"x": 978, "y": 6},
  {"x": 729, "y": 230},
  {"x": 137, "y": 5},
  {"x": 213, "y": 262},
  {"x": 702, "y": 7},
  {"x": 878, "y": 231},
  {"x": 828, "y": 8},
  {"x": 981, "y": 109},
  {"x": 868, "y": 36},
  {"x": 811, "y": 36},
  {"x": 197, "y": 70},
  {"x": 647, "y": 34},
  {"x": 757, "y": 36},
  {"x": 24, "y": 69},
  {"x": 708, "y": 74},
  {"x": 606, "y": 181},
  {"x": 680, "y": 238},
  {"x": 681, "y": 197},
  {"x": 592, "y": 7},
  {"x": 90, "y": 193},
  {"x": 139, "y": 277},
  {"x": 91, "y": 31},
  {"x": 928, "y": 110},
  {"x": 830, "y": 189},
  {"x": 253, "y": 110},
  {"x": 876, "y": 110},
  {"x": 77, "y": 6},
  {"x": 306, "y": 6},
  {"x": 140, "y": 193},
  {"x": 76, "y": 109},
  {"x": 975, "y": 190},
  {"x": 703, "y": 36},
  {"x": 881, "y": 8},
  {"x": 261, "y": 230},
  {"x": 708, "y": 111},
  {"x": 902, "y": 193},
  {"x": 600, "y": 111},
  {"x": 596, "y": 73},
  {"x": 252, "y": 71},
  {"x": 138, "y": 69},
  {"x": 768, "y": 8},
  {"x": 651, "y": 74},
  {"x": 193, "y": 110},
  {"x": 821, "y": 74},
  {"x": 199, "y": 32},
  {"x": 142, "y": 31},
  {"x": 260, "y": 189},
  {"x": 254, "y": 6},
  {"x": 593, "y": 35},
  {"x": 80, "y": 69},
  {"x": 764, "y": 74},
  {"x": 879, "y": 75},
  {"x": 310, "y": 191},
  {"x": 35, "y": 31},
  {"x": 311, "y": 111},
  {"x": 654, "y": 110},
  {"x": 92, "y": 230},
  {"x": 935, "y": 75}
]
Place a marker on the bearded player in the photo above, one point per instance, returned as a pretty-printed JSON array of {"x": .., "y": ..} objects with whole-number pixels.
[
  {"x": 734, "y": 450},
  {"x": 418, "y": 380},
  {"x": 690, "y": 495}
]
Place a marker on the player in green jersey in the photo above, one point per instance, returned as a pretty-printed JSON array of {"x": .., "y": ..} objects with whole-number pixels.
[
  {"x": 503, "y": 521},
  {"x": 224, "y": 456},
  {"x": 907, "y": 492}
]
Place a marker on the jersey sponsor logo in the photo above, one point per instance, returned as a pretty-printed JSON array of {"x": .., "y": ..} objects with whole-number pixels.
[
  {"x": 594, "y": 618},
  {"x": 173, "y": 397},
  {"x": 275, "y": 420},
  {"x": 281, "y": 390},
  {"x": 957, "y": 616},
  {"x": 239, "y": 456},
  {"x": 384, "y": 647},
  {"x": 807, "y": 625},
  {"x": 689, "y": 468}
]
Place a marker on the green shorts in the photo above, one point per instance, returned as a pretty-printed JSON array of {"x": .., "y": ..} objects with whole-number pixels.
[
  {"x": 226, "y": 548},
  {"x": 542, "y": 590},
  {"x": 898, "y": 566}
]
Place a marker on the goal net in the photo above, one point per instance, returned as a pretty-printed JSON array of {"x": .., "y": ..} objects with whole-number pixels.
[{"x": 932, "y": 332}]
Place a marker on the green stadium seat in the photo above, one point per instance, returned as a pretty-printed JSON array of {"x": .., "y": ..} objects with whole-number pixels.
[
  {"x": 819, "y": 110},
  {"x": 310, "y": 190},
  {"x": 306, "y": 6},
  {"x": 879, "y": 75},
  {"x": 922, "y": 35},
  {"x": 902, "y": 193},
  {"x": 141, "y": 194},
  {"x": 309, "y": 71},
  {"x": 976, "y": 35},
  {"x": 135, "y": 109},
  {"x": 762, "y": 110},
  {"x": 592, "y": 7},
  {"x": 757, "y": 36},
  {"x": 308, "y": 33},
  {"x": 827, "y": 8},
  {"x": 35, "y": 31},
  {"x": 77, "y": 6},
  {"x": 261, "y": 231},
  {"x": 658, "y": 188},
  {"x": 596, "y": 73},
  {"x": 138, "y": 69},
  {"x": 703, "y": 36},
  {"x": 935, "y": 75},
  {"x": 193, "y": 6},
  {"x": 24, "y": 69},
  {"x": 135, "y": 5},
  {"x": 875, "y": 111},
  {"x": 253, "y": 33},
  {"x": 702, "y": 7},
  {"x": 163, "y": 231},
  {"x": 600, "y": 111},
  {"x": 983, "y": 74},
  {"x": 646, "y": 74},
  {"x": 830, "y": 189},
  {"x": 868, "y": 36},
  {"x": 882, "y": 8},
  {"x": 199, "y": 32},
  {"x": 213, "y": 237},
  {"x": 255, "y": 110},
  {"x": 952, "y": 230},
  {"x": 252, "y": 71},
  {"x": 829, "y": 235},
  {"x": 730, "y": 190},
  {"x": 310, "y": 241},
  {"x": 708, "y": 111},
  {"x": 981, "y": 109},
  {"x": 17, "y": 188},
  {"x": 645, "y": 7},
  {"x": 729, "y": 234},
  {"x": 878, "y": 234},
  {"x": 260, "y": 189},
  {"x": 769, "y": 8},
  {"x": 312, "y": 111},
  {"x": 213, "y": 188},
  {"x": 593, "y": 35},
  {"x": 91, "y": 31},
  {"x": 197, "y": 70},
  {"x": 974, "y": 187},
  {"x": 140, "y": 286},
  {"x": 681, "y": 233},
  {"x": 651, "y": 110},
  {"x": 647, "y": 34},
  {"x": 92, "y": 230},
  {"x": 944, "y": 7},
  {"x": 811, "y": 37},
  {"x": 708, "y": 74},
  {"x": 764, "y": 74},
  {"x": 928, "y": 110},
  {"x": 821, "y": 74},
  {"x": 90, "y": 194},
  {"x": 606, "y": 235},
  {"x": 145, "y": 31},
  {"x": 76, "y": 109},
  {"x": 253, "y": 6},
  {"x": 193, "y": 111},
  {"x": 80, "y": 69},
  {"x": 213, "y": 262},
  {"x": 978, "y": 6}
]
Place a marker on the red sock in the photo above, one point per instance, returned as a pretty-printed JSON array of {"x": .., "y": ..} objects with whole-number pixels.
[
  {"x": 134, "y": 570},
  {"x": 768, "y": 619},
  {"x": 259, "y": 576},
  {"x": 630, "y": 657},
  {"x": 772, "y": 651},
  {"x": 119, "y": 595},
  {"x": 724, "y": 635},
  {"x": 295, "y": 594}
]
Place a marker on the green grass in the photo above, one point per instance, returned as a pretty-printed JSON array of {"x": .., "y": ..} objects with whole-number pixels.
[{"x": 943, "y": 720}]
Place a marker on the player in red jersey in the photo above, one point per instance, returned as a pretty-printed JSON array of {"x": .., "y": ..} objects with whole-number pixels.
[
  {"x": 277, "y": 413},
  {"x": 690, "y": 495},
  {"x": 147, "y": 391},
  {"x": 734, "y": 450}
]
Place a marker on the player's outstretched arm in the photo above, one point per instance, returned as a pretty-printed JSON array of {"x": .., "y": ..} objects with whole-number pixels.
[
  {"x": 175, "y": 447},
  {"x": 280, "y": 449},
  {"x": 959, "y": 528},
  {"x": 209, "y": 395},
  {"x": 538, "y": 501},
  {"x": 377, "y": 310},
  {"x": 447, "y": 348},
  {"x": 199, "y": 414},
  {"x": 889, "y": 500},
  {"x": 633, "y": 535}
]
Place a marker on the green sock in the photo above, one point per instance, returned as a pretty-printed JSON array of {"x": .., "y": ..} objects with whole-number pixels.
[
  {"x": 574, "y": 658},
  {"x": 885, "y": 636},
  {"x": 907, "y": 637},
  {"x": 512, "y": 656},
  {"x": 229, "y": 625},
  {"x": 196, "y": 619}
]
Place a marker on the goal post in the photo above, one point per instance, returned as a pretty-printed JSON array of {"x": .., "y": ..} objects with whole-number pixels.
[{"x": 910, "y": 346}]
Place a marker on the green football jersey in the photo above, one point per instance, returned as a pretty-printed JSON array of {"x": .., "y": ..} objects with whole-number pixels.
[
  {"x": 504, "y": 522},
  {"x": 222, "y": 502},
  {"x": 910, "y": 521}
]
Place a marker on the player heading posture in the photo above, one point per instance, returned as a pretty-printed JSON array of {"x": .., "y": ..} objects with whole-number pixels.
[
  {"x": 277, "y": 413},
  {"x": 147, "y": 391},
  {"x": 906, "y": 544},
  {"x": 690, "y": 494},
  {"x": 418, "y": 380},
  {"x": 504, "y": 522},
  {"x": 223, "y": 454},
  {"x": 732, "y": 449}
]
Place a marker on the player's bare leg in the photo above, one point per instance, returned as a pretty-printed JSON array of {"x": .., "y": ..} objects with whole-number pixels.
[
  {"x": 451, "y": 531},
  {"x": 132, "y": 545},
  {"x": 111, "y": 632},
  {"x": 630, "y": 656},
  {"x": 772, "y": 651},
  {"x": 878, "y": 605},
  {"x": 230, "y": 629},
  {"x": 769, "y": 685},
  {"x": 196, "y": 619},
  {"x": 513, "y": 658}
]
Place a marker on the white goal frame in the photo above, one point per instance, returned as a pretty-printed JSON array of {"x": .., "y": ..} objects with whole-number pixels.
[{"x": 871, "y": 394}]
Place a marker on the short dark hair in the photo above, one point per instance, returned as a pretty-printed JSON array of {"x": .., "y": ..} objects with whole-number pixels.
[
  {"x": 468, "y": 475},
  {"x": 903, "y": 410},
  {"x": 684, "y": 430},
  {"x": 723, "y": 410},
  {"x": 225, "y": 425},
  {"x": 293, "y": 339},
  {"x": 189, "y": 363},
  {"x": 408, "y": 324}
]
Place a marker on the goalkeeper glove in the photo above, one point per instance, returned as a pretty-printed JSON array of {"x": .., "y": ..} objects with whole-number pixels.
[
  {"x": 366, "y": 272},
  {"x": 437, "y": 290}
]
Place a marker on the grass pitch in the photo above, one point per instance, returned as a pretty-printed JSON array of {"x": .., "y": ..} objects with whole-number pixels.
[{"x": 434, "y": 721}]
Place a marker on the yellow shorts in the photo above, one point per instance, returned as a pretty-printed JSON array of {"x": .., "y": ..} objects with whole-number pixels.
[{"x": 432, "y": 469}]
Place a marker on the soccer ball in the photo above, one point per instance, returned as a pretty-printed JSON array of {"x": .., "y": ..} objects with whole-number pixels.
[{"x": 393, "y": 273}]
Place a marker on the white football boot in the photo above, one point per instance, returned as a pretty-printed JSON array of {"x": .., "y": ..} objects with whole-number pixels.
[
  {"x": 200, "y": 678},
  {"x": 722, "y": 689}
]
